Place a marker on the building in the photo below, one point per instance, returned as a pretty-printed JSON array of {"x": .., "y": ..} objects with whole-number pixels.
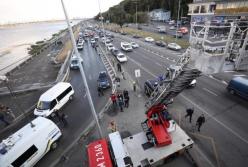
[
  {"x": 219, "y": 31},
  {"x": 160, "y": 15}
]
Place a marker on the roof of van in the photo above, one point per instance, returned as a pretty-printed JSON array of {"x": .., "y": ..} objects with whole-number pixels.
[
  {"x": 242, "y": 80},
  {"x": 24, "y": 136},
  {"x": 54, "y": 91}
]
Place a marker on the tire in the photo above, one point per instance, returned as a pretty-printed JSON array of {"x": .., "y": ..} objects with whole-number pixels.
[{"x": 54, "y": 145}]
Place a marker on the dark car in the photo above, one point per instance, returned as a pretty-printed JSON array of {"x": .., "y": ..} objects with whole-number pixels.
[
  {"x": 103, "y": 80},
  {"x": 136, "y": 36},
  {"x": 150, "y": 86},
  {"x": 160, "y": 43},
  {"x": 123, "y": 33},
  {"x": 239, "y": 86}
]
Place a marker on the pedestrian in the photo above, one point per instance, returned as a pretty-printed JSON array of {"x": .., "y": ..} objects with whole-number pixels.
[
  {"x": 120, "y": 102},
  {"x": 100, "y": 91},
  {"x": 189, "y": 114},
  {"x": 117, "y": 80},
  {"x": 200, "y": 121},
  {"x": 125, "y": 93},
  {"x": 63, "y": 119},
  {"x": 123, "y": 75},
  {"x": 120, "y": 95},
  {"x": 112, "y": 126},
  {"x": 3, "y": 119},
  {"x": 119, "y": 67},
  {"x": 113, "y": 98},
  {"x": 126, "y": 100},
  {"x": 134, "y": 86},
  {"x": 10, "y": 112}
]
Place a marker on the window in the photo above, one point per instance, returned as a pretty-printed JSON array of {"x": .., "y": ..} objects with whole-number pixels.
[
  {"x": 43, "y": 105},
  {"x": 62, "y": 95},
  {"x": 53, "y": 104},
  {"x": 25, "y": 156},
  {"x": 203, "y": 9}
]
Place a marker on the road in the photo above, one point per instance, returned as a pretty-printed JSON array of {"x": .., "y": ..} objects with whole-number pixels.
[
  {"x": 225, "y": 128},
  {"x": 153, "y": 28}
]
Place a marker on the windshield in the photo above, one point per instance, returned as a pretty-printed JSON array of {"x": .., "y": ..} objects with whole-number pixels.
[
  {"x": 74, "y": 62},
  {"x": 102, "y": 76},
  {"x": 126, "y": 46},
  {"x": 43, "y": 105},
  {"x": 121, "y": 56}
]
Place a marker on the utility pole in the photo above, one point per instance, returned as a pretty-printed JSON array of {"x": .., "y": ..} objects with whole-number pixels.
[
  {"x": 82, "y": 72},
  {"x": 178, "y": 15}
]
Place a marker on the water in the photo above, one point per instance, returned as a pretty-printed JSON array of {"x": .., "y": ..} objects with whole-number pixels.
[{"x": 14, "y": 41}]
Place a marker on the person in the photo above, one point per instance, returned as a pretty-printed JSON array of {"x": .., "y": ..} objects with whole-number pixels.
[
  {"x": 117, "y": 81},
  {"x": 63, "y": 119},
  {"x": 120, "y": 102},
  {"x": 123, "y": 75},
  {"x": 120, "y": 95},
  {"x": 10, "y": 112},
  {"x": 125, "y": 93},
  {"x": 200, "y": 121},
  {"x": 112, "y": 126},
  {"x": 3, "y": 119},
  {"x": 126, "y": 100},
  {"x": 113, "y": 98},
  {"x": 100, "y": 91},
  {"x": 119, "y": 67},
  {"x": 189, "y": 114}
]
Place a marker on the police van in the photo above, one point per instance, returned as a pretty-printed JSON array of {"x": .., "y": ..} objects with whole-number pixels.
[
  {"x": 29, "y": 144},
  {"x": 54, "y": 99}
]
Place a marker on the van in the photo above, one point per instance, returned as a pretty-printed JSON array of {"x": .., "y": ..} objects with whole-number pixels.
[
  {"x": 54, "y": 99},
  {"x": 29, "y": 144},
  {"x": 74, "y": 64},
  {"x": 239, "y": 86}
]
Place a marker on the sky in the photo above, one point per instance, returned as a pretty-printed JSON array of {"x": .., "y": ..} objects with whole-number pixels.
[{"x": 35, "y": 10}]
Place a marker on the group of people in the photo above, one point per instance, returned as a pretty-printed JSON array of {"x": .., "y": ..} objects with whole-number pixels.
[
  {"x": 200, "y": 120},
  {"x": 121, "y": 99},
  {"x": 4, "y": 110}
]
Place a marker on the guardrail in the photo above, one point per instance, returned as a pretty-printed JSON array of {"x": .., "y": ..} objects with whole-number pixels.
[{"x": 65, "y": 68}]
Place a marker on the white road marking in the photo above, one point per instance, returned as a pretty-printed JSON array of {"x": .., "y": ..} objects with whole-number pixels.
[
  {"x": 212, "y": 117},
  {"x": 224, "y": 82},
  {"x": 209, "y": 91},
  {"x": 239, "y": 75},
  {"x": 210, "y": 76},
  {"x": 159, "y": 64}
]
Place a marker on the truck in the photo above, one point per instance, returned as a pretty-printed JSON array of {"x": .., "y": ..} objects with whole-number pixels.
[
  {"x": 161, "y": 137},
  {"x": 239, "y": 86}
]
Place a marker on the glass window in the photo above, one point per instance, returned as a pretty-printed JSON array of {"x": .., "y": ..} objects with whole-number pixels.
[
  {"x": 43, "y": 105},
  {"x": 53, "y": 104},
  {"x": 203, "y": 9},
  {"x": 25, "y": 156},
  {"x": 62, "y": 95},
  {"x": 196, "y": 9}
]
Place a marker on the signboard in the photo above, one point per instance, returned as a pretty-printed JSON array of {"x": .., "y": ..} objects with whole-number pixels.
[
  {"x": 98, "y": 154},
  {"x": 137, "y": 73}
]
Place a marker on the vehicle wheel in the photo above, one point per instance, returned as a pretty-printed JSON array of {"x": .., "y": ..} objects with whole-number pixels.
[
  {"x": 71, "y": 97},
  {"x": 54, "y": 145},
  {"x": 232, "y": 92}
]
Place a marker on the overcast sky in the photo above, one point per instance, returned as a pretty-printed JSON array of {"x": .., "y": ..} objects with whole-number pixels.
[{"x": 34, "y": 10}]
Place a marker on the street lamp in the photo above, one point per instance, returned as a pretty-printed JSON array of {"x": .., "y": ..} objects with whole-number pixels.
[
  {"x": 178, "y": 16},
  {"x": 82, "y": 72}
]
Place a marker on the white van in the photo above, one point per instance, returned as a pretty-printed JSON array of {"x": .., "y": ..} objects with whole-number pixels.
[
  {"x": 53, "y": 99},
  {"x": 29, "y": 144}
]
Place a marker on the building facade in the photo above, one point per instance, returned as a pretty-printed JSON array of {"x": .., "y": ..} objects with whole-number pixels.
[
  {"x": 219, "y": 29},
  {"x": 160, "y": 15}
]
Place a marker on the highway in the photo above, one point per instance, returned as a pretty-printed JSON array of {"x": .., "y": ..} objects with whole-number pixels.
[{"x": 224, "y": 135}]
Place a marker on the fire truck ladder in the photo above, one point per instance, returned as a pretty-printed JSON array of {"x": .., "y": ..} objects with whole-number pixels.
[{"x": 178, "y": 80}]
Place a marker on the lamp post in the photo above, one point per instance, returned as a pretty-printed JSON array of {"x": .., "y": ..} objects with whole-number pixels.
[
  {"x": 178, "y": 16},
  {"x": 82, "y": 72}
]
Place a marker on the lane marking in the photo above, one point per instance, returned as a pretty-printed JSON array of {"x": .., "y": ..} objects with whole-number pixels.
[
  {"x": 159, "y": 64},
  {"x": 239, "y": 75},
  {"x": 212, "y": 117},
  {"x": 210, "y": 76},
  {"x": 209, "y": 91}
]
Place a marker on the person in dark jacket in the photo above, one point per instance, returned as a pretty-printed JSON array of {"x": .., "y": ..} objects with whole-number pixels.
[
  {"x": 200, "y": 121},
  {"x": 100, "y": 91},
  {"x": 119, "y": 67},
  {"x": 189, "y": 114},
  {"x": 126, "y": 100},
  {"x": 120, "y": 103}
]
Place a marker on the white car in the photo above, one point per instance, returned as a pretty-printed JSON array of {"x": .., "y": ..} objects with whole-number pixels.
[
  {"x": 174, "y": 46},
  {"x": 92, "y": 41},
  {"x": 126, "y": 46},
  {"x": 172, "y": 27},
  {"x": 110, "y": 46},
  {"x": 134, "y": 45},
  {"x": 121, "y": 58},
  {"x": 172, "y": 22},
  {"x": 80, "y": 45},
  {"x": 149, "y": 39}
]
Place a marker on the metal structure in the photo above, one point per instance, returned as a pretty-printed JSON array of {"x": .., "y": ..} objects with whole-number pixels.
[{"x": 158, "y": 123}]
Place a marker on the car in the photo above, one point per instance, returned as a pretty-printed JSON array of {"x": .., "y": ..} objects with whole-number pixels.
[
  {"x": 103, "y": 80},
  {"x": 172, "y": 28},
  {"x": 96, "y": 38},
  {"x": 134, "y": 45},
  {"x": 184, "y": 30},
  {"x": 178, "y": 35},
  {"x": 115, "y": 52},
  {"x": 92, "y": 41},
  {"x": 239, "y": 86},
  {"x": 136, "y": 36},
  {"x": 126, "y": 46},
  {"x": 160, "y": 43},
  {"x": 80, "y": 45},
  {"x": 123, "y": 33},
  {"x": 109, "y": 35},
  {"x": 162, "y": 29},
  {"x": 174, "y": 46},
  {"x": 172, "y": 22},
  {"x": 121, "y": 58},
  {"x": 149, "y": 39},
  {"x": 110, "y": 46}
]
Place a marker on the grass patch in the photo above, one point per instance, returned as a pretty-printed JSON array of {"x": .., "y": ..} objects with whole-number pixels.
[{"x": 131, "y": 31}]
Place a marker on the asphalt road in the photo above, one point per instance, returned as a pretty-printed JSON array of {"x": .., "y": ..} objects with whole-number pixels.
[{"x": 226, "y": 115}]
